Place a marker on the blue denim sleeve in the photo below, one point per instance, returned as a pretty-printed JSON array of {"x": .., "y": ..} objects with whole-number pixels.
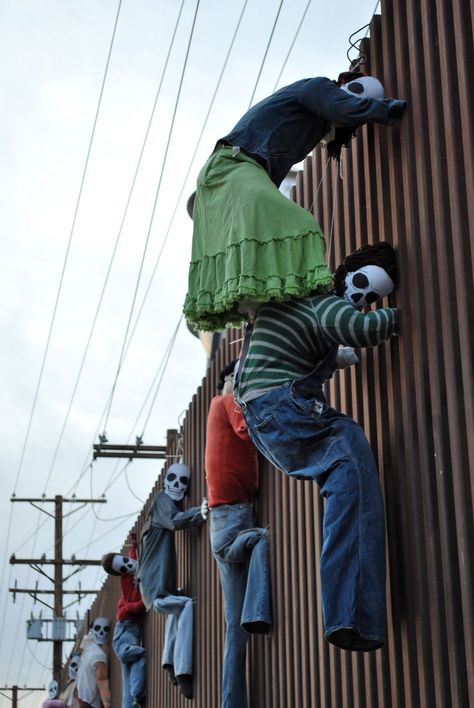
[
  {"x": 166, "y": 514},
  {"x": 324, "y": 98}
]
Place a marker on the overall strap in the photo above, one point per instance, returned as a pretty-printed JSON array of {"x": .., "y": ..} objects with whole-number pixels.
[{"x": 243, "y": 354}]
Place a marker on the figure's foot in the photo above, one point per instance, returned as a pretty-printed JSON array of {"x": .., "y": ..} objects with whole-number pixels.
[
  {"x": 257, "y": 627},
  {"x": 138, "y": 702},
  {"x": 185, "y": 683},
  {"x": 351, "y": 640},
  {"x": 170, "y": 669}
]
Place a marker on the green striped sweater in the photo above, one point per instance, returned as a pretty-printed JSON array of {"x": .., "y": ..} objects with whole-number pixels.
[{"x": 289, "y": 339}]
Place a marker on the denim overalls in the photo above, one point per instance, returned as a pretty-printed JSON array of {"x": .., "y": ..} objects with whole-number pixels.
[
  {"x": 295, "y": 429},
  {"x": 127, "y": 644},
  {"x": 241, "y": 553}
]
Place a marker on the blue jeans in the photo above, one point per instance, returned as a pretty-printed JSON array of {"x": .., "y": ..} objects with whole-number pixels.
[
  {"x": 299, "y": 433},
  {"x": 132, "y": 656},
  {"x": 178, "y": 642},
  {"x": 241, "y": 553}
]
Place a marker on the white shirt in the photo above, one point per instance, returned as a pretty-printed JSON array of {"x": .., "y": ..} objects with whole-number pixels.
[{"x": 86, "y": 685}]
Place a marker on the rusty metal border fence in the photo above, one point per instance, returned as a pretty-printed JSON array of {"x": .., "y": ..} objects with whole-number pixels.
[{"x": 412, "y": 185}]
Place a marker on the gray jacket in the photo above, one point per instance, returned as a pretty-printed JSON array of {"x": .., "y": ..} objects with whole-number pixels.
[{"x": 157, "y": 561}]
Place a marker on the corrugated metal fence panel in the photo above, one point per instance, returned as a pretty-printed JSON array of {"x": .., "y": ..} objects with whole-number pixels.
[{"x": 412, "y": 185}]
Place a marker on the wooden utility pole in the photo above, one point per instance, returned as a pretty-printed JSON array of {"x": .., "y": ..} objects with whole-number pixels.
[
  {"x": 15, "y": 690},
  {"x": 58, "y": 581},
  {"x": 58, "y": 563}
]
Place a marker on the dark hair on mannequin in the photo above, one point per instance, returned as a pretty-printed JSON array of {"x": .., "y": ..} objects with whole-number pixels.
[
  {"x": 107, "y": 561},
  {"x": 344, "y": 134},
  {"x": 342, "y": 139},
  {"x": 379, "y": 254},
  {"x": 346, "y": 76},
  {"x": 229, "y": 369}
]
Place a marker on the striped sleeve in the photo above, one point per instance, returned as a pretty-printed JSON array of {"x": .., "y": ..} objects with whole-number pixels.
[{"x": 341, "y": 323}]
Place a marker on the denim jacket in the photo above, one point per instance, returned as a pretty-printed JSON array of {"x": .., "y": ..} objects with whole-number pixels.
[
  {"x": 156, "y": 574},
  {"x": 283, "y": 128}
]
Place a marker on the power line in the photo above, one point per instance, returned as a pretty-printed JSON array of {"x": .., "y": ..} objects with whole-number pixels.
[
  {"x": 231, "y": 45},
  {"x": 152, "y": 214},
  {"x": 167, "y": 358},
  {"x": 61, "y": 280},
  {"x": 266, "y": 52},
  {"x": 191, "y": 163},
  {"x": 116, "y": 244},
  {"x": 292, "y": 44}
]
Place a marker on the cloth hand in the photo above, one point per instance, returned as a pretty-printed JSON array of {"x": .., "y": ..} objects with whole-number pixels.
[
  {"x": 346, "y": 356},
  {"x": 204, "y": 508}
]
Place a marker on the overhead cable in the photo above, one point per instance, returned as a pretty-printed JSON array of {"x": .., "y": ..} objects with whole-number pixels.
[
  {"x": 292, "y": 45},
  {"x": 152, "y": 215},
  {"x": 61, "y": 280},
  {"x": 266, "y": 52},
  {"x": 116, "y": 244}
]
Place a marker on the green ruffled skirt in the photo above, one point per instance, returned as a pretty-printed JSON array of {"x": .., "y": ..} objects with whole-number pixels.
[{"x": 250, "y": 243}]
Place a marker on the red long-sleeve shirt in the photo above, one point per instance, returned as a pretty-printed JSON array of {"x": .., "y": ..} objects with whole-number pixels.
[
  {"x": 130, "y": 605},
  {"x": 230, "y": 457}
]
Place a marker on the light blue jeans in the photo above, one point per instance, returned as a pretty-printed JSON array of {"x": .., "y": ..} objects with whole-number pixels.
[
  {"x": 241, "y": 553},
  {"x": 299, "y": 433},
  {"x": 178, "y": 642},
  {"x": 132, "y": 656}
]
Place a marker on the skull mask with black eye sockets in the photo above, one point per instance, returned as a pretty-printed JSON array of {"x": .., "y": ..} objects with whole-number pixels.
[
  {"x": 73, "y": 666},
  {"x": 365, "y": 87},
  {"x": 176, "y": 481},
  {"x": 101, "y": 630},
  {"x": 124, "y": 565},
  {"x": 366, "y": 285},
  {"x": 53, "y": 688}
]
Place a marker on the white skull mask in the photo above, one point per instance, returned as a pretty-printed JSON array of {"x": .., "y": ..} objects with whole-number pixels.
[
  {"x": 176, "y": 481},
  {"x": 101, "y": 630},
  {"x": 365, "y": 87},
  {"x": 124, "y": 565},
  {"x": 53, "y": 688},
  {"x": 73, "y": 667},
  {"x": 366, "y": 285}
]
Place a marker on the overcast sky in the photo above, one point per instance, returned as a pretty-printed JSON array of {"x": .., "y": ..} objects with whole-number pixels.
[{"x": 53, "y": 57}]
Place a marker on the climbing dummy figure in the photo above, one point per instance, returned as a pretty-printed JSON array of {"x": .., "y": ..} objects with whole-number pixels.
[
  {"x": 157, "y": 573},
  {"x": 127, "y": 641},
  {"x": 240, "y": 549},
  {"x": 53, "y": 701},
  {"x": 250, "y": 243},
  {"x": 92, "y": 683},
  {"x": 68, "y": 694},
  {"x": 292, "y": 352}
]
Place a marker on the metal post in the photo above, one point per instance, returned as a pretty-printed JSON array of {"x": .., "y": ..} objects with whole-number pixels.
[{"x": 58, "y": 582}]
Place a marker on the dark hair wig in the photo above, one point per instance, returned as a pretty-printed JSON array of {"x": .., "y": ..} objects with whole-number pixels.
[
  {"x": 106, "y": 563},
  {"x": 344, "y": 134},
  {"x": 379, "y": 254}
]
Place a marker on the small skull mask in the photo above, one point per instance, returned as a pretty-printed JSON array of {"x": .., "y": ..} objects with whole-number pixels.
[
  {"x": 53, "y": 688},
  {"x": 365, "y": 87},
  {"x": 73, "y": 667},
  {"x": 366, "y": 285},
  {"x": 176, "y": 481},
  {"x": 101, "y": 630},
  {"x": 124, "y": 565}
]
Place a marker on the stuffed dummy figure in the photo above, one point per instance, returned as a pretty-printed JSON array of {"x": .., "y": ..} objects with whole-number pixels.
[
  {"x": 68, "y": 694},
  {"x": 250, "y": 243},
  {"x": 128, "y": 631},
  {"x": 92, "y": 682},
  {"x": 157, "y": 573},
  {"x": 240, "y": 549},
  {"x": 292, "y": 351},
  {"x": 53, "y": 701}
]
